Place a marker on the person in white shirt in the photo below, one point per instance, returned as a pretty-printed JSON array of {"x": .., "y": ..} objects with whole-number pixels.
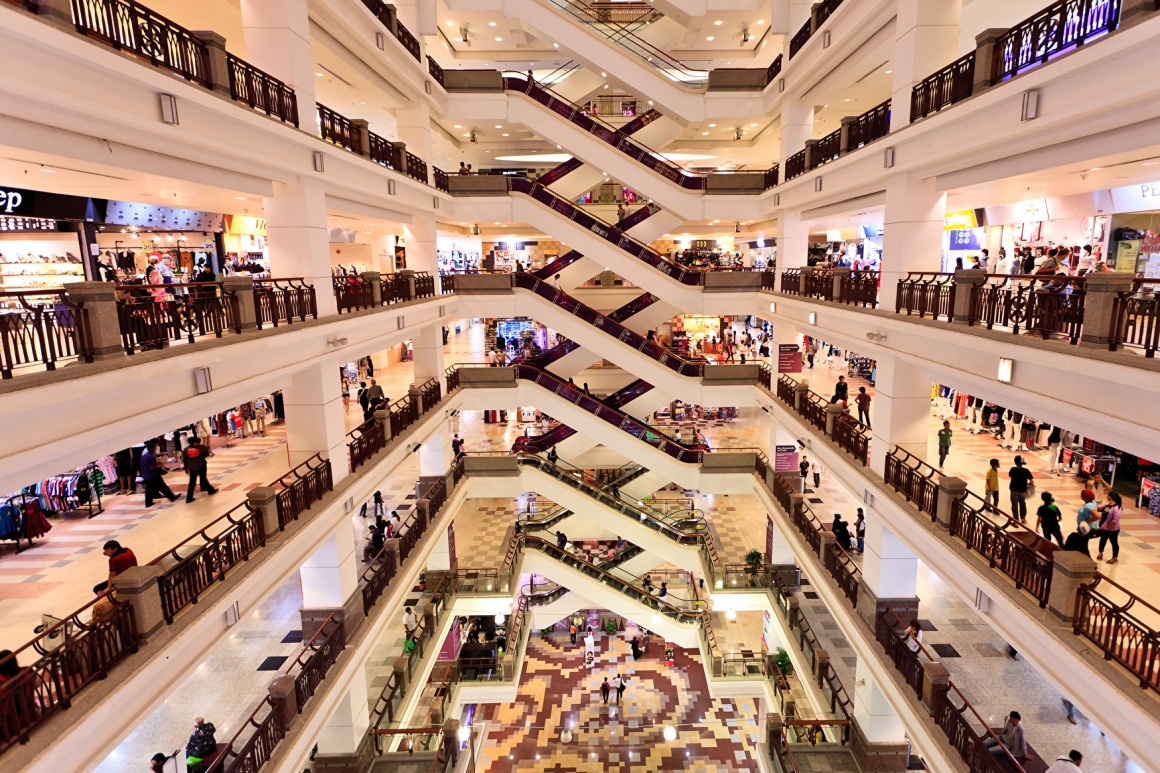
[
  {"x": 913, "y": 636},
  {"x": 1087, "y": 260},
  {"x": 491, "y": 358},
  {"x": 1068, "y": 764},
  {"x": 556, "y": 281}
]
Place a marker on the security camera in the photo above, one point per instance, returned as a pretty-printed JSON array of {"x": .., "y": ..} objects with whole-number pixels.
[
  {"x": 414, "y": 447},
  {"x": 801, "y": 443}
]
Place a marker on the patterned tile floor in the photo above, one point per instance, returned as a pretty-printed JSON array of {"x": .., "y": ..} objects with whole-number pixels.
[{"x": 558, "y": 693}]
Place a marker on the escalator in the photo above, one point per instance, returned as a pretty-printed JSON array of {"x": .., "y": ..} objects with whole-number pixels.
[
  {"x": 538, "y": 444},
  {"x": 678, "y": 619},
  {"x": 573, "y": 177}
]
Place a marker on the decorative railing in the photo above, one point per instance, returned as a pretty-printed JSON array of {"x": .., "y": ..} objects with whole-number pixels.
[
  {"x": 416, "y": 167},
  {"x": 819, "y": 284},
  {"x": 859, "y": 288},
  {"x": 353, "y": 293},
  {"x": 301, "y": 487},
  {"x": 825, "y": 150},
  {"x": 1136, "y": 318},
  {"x": 131, "y": 27},
  {"x": 769, "y": 278},
  {"x": 316, "y": 658},
  {"x": 844, "y": 571},
  {"x": 771, "y": 177},
  {"x": 1048, "y": 305},
  {"x": 925, "y": 292},
  {"x": 338, "y": 129},
  {"x": 1057, "y": 29},
  {"x": 1120, "y": 633},
  {"x": 951, "y": 84},
  {"x": 150, "y": 316},
  {"x": 281, "y": 300},
  {"x": 266, "y": 733},
  {"x": 261, "y": 91},
  {"x": 786, "y": 391},
  {"x": 364, "y": 442},
  {"x": 396, "y": 288},
  {"x": 852, "y": 436},
  {"x": 795, "y": 165},
  {"x": 814, "y": 410},
  {"x": 791, "y": 281},
  {"x": 824, "y": 11},
  {"x": 907, "y": 661},
  {"x": 409, "y": 41},
  {"x": 42, "y": 329},
  {"x": 914, "y": 479},
  {"x": 60, "y": 662},
  {"x": 872, "y": 125},
  {"x": 435, "y": 70},
  {"x": 385, "y": 153},
  {"x": 1029, "y": 568},
  {"x": 967, "y": 730},
  {"x": 773, "y": 70},
  {"x": 424, "y": 285},
  {"x": 440, "y": 177},
  {"x": 800, "y": 38},
  {"x": 194, "y": 564},
  {"x": 376, "y": 577}
]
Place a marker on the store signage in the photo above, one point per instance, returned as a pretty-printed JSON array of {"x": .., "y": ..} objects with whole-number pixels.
[
  {"x": 1031, "y": 211},
  {"x": 963, "y": 218},
  {"x": 789, "y": 358},
  {"x": 785, "y": 458},
  {"x": 1136, "y": 198},
  {"x": 10, "y": 201},
  {"x": 1067, "y": 454},
  {"x": 768, "y": 540},
  {"x": 244, "y": 224},
  {"x": 452, "y": 559},
  {"x": 965, "y": 239},
  {"x": 766, "y": 639}
]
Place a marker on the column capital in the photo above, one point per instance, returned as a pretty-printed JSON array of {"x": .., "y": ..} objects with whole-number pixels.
[
  {"x": 1108, "y": 282},
  {"x": 989, "y": 36},
  {"x": 1102, "y": 289}
]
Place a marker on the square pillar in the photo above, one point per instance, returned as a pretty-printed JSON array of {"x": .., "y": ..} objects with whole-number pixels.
[
  {"x": 949, "y": 489},
  {"x": 315, "y": 420},
  {"x": 243, "y": 287},
  {"x": 1102, "y": 289},
  {"x": 435, "y": 452},
  {"x": 797, "y": 126},
  {"x": 874, "y": 715},
  {"x": 427, "y": 348},
  {"x": 966, "y": 281},
  {"x": 277, "y": 36},
  {"x": 346, "y": 730},
  {"x": 924, "y": 32},
  {"x": 901, "y": 411},
  {"x": 300, "y": 238},
  {"x": 793, "y": 236},
  {"x": 414, "y": 127},
  {"x": 912, "y": 229},
  {"x": 138, "y": 586},
  {"x": 889, "y": 574},
  {"x": 100, "y": 307},
  {"x": 985, "y": 43},
  {"x": 1071, "y": 570},
  {"x": 421, "y": 250},
  {"x": 264, "y": 500}
]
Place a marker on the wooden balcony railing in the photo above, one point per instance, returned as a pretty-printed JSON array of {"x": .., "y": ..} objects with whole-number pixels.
[
  {"x": 859, "y": 288},
  {"x": 151, "y": 316},
  {"x": 281, "y": 300},
  {"x": 1009, "y": 546},
  {"x": 364, "y": 442},
  {"x": 852, "y": 436},
  {"x": 872, "y": 125},
  {"x": 819, "y": 283},
  {"x": 1105, "y": 615},
  {"x": 316, "y": 658},
  {"x": 925, "y": 292},
  {"x": 42, "y": 328},
  {"x": 844, "y": 571},
  {"x": 800, "y": 38},
  {"x": 1048, "y": 305},
  {"x": 301, "y": 487},
  {"x": 353, "y": 293},
  {"x": 1053, "y": 31},
  {"x": 825, "y": 150},
  {"x": 131, "y": 27},
  {"x": 951, "y": 84},
  {"x": 1136, "y": 318},
  {"x": 914, "y": 479},
  {"x": 261, "y": 91},
  {"x": 966, "y": 729},
  {"x": 338, "y": 129},
  {"x": 795, "y": 165},
  {"x": 791, "y": 281}
]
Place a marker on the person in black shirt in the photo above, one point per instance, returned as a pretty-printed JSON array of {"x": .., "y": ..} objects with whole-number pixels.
[
  {"x": 1048, "y": 517},
  {"x": 1020, "y": 482},
  {"x": 842, "y": 389}
]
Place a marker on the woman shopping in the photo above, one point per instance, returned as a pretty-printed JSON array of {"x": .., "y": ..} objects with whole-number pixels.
[{"x": 1111, "y": 511}]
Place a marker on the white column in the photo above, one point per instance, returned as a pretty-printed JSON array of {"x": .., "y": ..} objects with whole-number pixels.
[
  {"x": 872, "y": 710},
  {"x": 427, "y": 350},
  {"x": 925, "y": 31},
  {"x": 440, "y": 558},
  {"x": 422, "y": 253},
  {"x": 435, "y": 452},
  {"x": 315, "y": 419},
  {"x": 901, "y": 411},
  {"x": 912, "y": 232},
  {"x": 382, "y": 254},
  {"x": 277, "y": 36},
  {"x": 797, "y": 126},
  {"x": 782, "y": 554},
  {"x": 779, "y": 436},
  {"x": 793, "y": 242},
  {"x": 799, "y": 13},
  {"x": 330, "y": 576},
  {"x": 889, "y": 569},
  {"x": 299, "y": 237},
  {"x": 347, "y": 726},
  {"x": 414, "y": 125}
]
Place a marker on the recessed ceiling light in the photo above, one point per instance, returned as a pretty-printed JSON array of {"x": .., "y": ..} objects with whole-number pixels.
[
  {"x": 888, "y": 71},
  {"x": 450, "y": 23},
  {"x": 718, "y": 23},
  {"x": 753, "y": 124},
  {"x": 499, "y": 126},
  {"x": 555, "y": 45},
  {"x": 457, "y": 126},
  {"x": 241, "y": 198},
  {"x": 1095, "y": 169},
  {"x": 506, "y": 135},
  {"x": 466, "y": 135},
  {"x": 847, "y": 99},
  {"x": 760, "y": 22},
  {"x": 491, "y": 24},
  {"x": 710, "y": 37},
  {"x": 320, "y": 75},
  {"x": 46, "y": 170},
  {"x": 1150, "y": 163},
  {"x": 499, "y": 40},
  {"x": 704, "y": 134}
]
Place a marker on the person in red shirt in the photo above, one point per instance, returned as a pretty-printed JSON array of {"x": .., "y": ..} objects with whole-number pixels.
[{"x": 120, "y": 559}]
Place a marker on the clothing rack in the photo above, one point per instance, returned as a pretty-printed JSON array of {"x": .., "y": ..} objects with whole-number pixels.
[
  {"x": 21, "y": 517},
  {"x": 71, "y": 492}
]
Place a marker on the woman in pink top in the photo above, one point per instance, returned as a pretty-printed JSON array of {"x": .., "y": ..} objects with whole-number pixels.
[{"x": 1110, "y": 526}]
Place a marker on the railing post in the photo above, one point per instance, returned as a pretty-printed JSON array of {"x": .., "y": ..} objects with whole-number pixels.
[
  {"x": 840, "y": 273},
  {"x": 774, "y": 726},
  {"x": 402, "y": 146},
  {"x": 985, "y": 43},
  {"x": 264, "y": 500},
  {"x": 99, "y": 301},
  {"x": 965, "y": 281},
  {"x": 949, "y": 490},
  {"x": 282, "y": 693},
  {"x": 383, "y": 417},
  {"x": 219, "y": 66},
  {"x": 844, "y": 143},
  {"x": 373, "y": 278},
  {"x": 801, "y": 394},
  {"x": 935, "y": 680},
  {"x": 243, "y": 287},
  {"x": 362, "y": 144},
  {"x": 1070, "y": 571},
  {"x": 833, "y": 411},
  {"x": 416, "y": 398},
  {"x": 58, "y": 12},
  {"x": 821, "y": 660},
  {"x": 138, "y": 586},
  {"x": 1101, "y": 290},
  {"x": 409, "y": 275},
  {"x": 827, "y": 544},
  {"x": 811, "y": 151}
]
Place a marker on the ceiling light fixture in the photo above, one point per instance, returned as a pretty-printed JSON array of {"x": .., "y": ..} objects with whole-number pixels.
[
  {"x": 710, "y": 37},
  {"x": 712, "y": 126},
  {"x": 759, "y": 22},
  {"x": 718, "y": 23},
  {"x": 491, "y": 24},
  {"x": 450, "y": 24},
  {"x": 499, "y": 40}
]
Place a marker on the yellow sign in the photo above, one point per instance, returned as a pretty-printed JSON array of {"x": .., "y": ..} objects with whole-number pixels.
[
  {"x": 963, "y": 218},
  {"x": 244, "y": 224},
  {"x": 1126, "y": 256}
]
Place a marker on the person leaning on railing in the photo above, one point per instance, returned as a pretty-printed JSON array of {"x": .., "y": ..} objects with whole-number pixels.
[{"x": 1012, "y": 740}]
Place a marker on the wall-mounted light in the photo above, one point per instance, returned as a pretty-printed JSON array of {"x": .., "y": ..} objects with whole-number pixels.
[
  {"x": 319, "y": 161},
  {"x": 826, "y": 39},
  {"x": 888, "y": 158},
  {"x": 773, "y": 308},
  {"x": 817, "y": 185},
  {"x": 169, "y": 109},
  {"x": 1030, "y": 106},
  {"x": 813, "y": 318},
  {"x": 380, "y": 41},
  {"x": 1006, "y": 366}
]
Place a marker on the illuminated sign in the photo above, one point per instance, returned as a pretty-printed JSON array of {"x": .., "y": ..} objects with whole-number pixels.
[{"x": 963, "y": 218}]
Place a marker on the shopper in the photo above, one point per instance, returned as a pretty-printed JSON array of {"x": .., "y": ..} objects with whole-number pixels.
[
  {"x": 841, "y": 531},
  {"x": 260, "y": 416},
  {"x": 1068, "y": 764},
  {"x": 913, "y": 636},
  {"x": 1110, "y": 526},
  {"x": 202, "y": 743},
  {"x": 811, "y": 352},
  {"x": 410, "y": 623},
  {"x": 375, "y": 543},
  {"x": 151, "y": 472},
  {"x": 194, "y": 459},
  {"x": 126, "y": 477},
  {"x": 944, "y": 442},
  {"x": 556, "y": 282},
  {"x": 860, "y": 530},
  {"x": 157, "y": 763},
  {"x": 620, "y": 682},
  {"x": 816, "y": 472},
  {"x": 561, "y": 540},
  {"x": 605, "y": 689},
  {"x": 1087, "y": 513},
  {"x": 457, "y": 447},
  {"x": 375, "y": 393},
  {"x": 1019, "y": 487},
  {"x": 991, "y": 492},
  {"x": 1048, "y": 518},
  {"x": 863, "y": 402},
  {"x": 842, "y": 389},
  {"x": 1013, "y": 739},
  {"x": 804, "y": 467}
]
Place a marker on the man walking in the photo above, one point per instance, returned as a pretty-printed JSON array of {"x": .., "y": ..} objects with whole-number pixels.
[
  {"x": 620, "y": 683},
  {"x": 1048, "y": 516},
  {"x": 944, "y": 442},
  {"x": 1020, "y": 481},
  {"x": 991, "y": 494},
  {"x": 375, "y": 393},
  {"x": 457, "y": 446},
  {"x": 605, "y": 689},
  {"x": 572, "y": 631},
  {"x": 863, "y": 401},
  {"x": 194, "y": 456},
  {"x": 155, "y": 486}
]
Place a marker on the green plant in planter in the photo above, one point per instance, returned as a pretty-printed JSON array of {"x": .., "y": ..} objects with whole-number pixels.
[
  {"x": 610, "y": 626},
  {"x": 753, "y": 559},
  {"x": 784, "y": 664}
]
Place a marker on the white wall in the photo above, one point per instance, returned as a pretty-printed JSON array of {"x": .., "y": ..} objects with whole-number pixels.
[{"x": 979, "y": 15}]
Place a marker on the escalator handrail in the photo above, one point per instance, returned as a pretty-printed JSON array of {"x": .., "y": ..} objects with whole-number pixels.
[
  {"x": 570, "y": 257},
  {"x": 561, "y": 432},
  {"x": 584, "y": 120},
  {"x": 683, "y": 616}
]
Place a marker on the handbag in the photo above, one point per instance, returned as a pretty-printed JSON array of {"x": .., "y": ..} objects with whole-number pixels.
[{"x": 1084, "y": 529}]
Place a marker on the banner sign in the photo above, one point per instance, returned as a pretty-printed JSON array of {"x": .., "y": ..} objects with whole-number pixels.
[{"x": 789, "y": 358}]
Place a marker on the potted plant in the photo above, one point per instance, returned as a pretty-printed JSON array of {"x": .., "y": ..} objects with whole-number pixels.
[
  {"x": 753, "y": 560},
  {"x": 422, "y": 582},
  {"x": 784, "y": 664},
  {"x": 610, "y": 626}
]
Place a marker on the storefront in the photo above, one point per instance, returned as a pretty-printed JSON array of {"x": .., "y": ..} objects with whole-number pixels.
[
  {"x": 459, "y": 253},
  {"x": 247, "y": 251},
  {"x": 759, "y": 253},
  {"x": 855, "y": 247},
  {"x": 46, "y": 239},
  {"x": 504, "y": 256}
]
